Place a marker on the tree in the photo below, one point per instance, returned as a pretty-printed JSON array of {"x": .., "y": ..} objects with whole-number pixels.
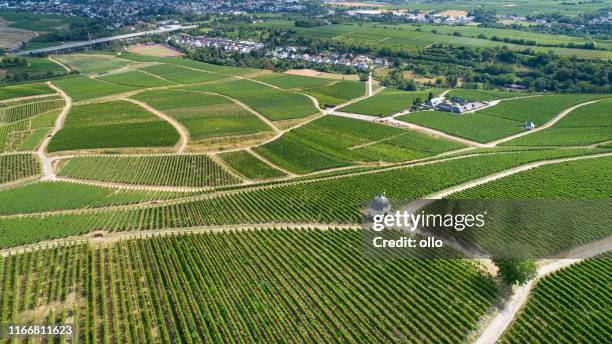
[{"x": 515, "y": 270}]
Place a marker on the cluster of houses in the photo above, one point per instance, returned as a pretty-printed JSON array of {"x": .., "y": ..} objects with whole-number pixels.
[
  {"x": 455, "y": 104},
  {"x": 332, "y": 58},
  {"x": 419, "y": 17},
  {"x": 244, "y": 47}
]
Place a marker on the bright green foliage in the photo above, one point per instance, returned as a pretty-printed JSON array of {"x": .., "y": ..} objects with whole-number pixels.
[
  {"x": 338, "y": 92},
  {"x": 480, "y": 95},
  {"x": 48, "y": 196},
  {"x": 539, "y": 109},
  {"x": 288, "y": 81},
  {"x": 113, "y": 124},
  {"x": 136, "y": 78},
  {"x": 336, "y": 200},
  {"x": 515, "y": 270},
  {"x": 174, "y": 170},
  {"x": 569, "y": 305},
  {"x": 270, "y": 102},
  {"x": 25, "y": 109},
  {"x": 388, "y": 102},
  {"x": 204, "y": 115},
  {"x": 334, "y": 141},
  {"x": 474, "y": 126},
  {"x": 410, "y": 299},
  {"x": 26, "y": 134},
  {"x": 249, "y": 166},
  {"x": 181, "y": 74},
  {"x": 24, "y": 90},
  {"x": 86, "y": 88},
  {"x": 585, "y": 125},
  {"x": 17, "y": 166}
]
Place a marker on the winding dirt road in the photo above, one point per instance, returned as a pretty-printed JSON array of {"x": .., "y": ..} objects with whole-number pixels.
[{"x": 45, "y": 161}]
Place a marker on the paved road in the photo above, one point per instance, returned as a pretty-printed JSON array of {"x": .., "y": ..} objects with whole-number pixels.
[{"x": 104, "y": 39}]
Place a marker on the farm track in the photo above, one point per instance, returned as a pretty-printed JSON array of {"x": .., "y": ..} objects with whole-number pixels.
[
  {"x": 63, "y": 65},
  {"x": 546, "y": 125},
  {"x": 181, "y": 145},
  {"x": 502, "y": 321},
  {"x": 46, "y": 162},
  {"x": 436, "y": 195}
]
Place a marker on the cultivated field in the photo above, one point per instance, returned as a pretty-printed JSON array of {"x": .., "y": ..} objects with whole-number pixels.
[
  {"x": 84, "y": 88},
  {"x": 136, "y": 78},
  {"x": 17, "y": 166},
  {"x": 24, "y": 90},
  {"x": 205, "y": 116},
  {"x": 170, "y": 170},
  {"x": 114, "y": 124},
  {"x": 250, "y": 166},
  {"x": 93, "y": 64},
  {"x": 388, "y": 102},
  {"x": 117, "y": 293},
  {"x": 182, "y": 75}
]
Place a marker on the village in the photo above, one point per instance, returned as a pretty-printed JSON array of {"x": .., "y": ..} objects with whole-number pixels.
[{"x": 362, "y": 62}]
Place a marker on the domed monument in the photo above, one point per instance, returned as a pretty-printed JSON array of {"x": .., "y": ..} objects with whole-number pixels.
[{"x": 379, "y": 206}]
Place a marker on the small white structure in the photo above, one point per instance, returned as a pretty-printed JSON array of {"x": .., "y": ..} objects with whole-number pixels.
[
  {"x": 529, "y": 125},
  {"x": 379, "y": 206}
]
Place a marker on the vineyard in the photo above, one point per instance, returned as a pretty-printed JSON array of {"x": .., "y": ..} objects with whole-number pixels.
[
  {"x": 273, "y": 103},
  {"x": 574, "y": 194},
  {"x": 335, "y": 200},
  {"x": 570, "y": 305},
  {"x": 249, "y": 166},
  {"x": 182, "y": 75},
  {"x": 84, "y": 88},
  {"x": 114, "y": 124},
  {"x": 480, "y": 95},
  {"x": 29, "y": 108},
  {"x": 164, "y": 170},
  {"x": 585, "y": 125},
  {"x": 337, "y": 93},
  {"x": 26, "y": 134},
  {"x": 136, "y": 78},
  {"x": 388, "y": 102},
  {"x": 17, "y": 166},
  {"x": 205, "y": 116},
  {"x": 287, "y": 81},
  {"x": 195, "y": 288},
  {"x": 334, "y": 141},
  {"x": 93, "y": 63},
  {"x": 25, "y": 90},
  {"x": 34, "y": 197}
]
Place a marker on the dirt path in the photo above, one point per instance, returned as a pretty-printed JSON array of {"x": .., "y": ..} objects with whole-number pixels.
[
  {"x": 59, "y": 63},
  {"x": 183, "y": 132},
  {"x": 548, "y": 124},
  {"x": 47, "y": 162},
  {"x": 400, "y": 124},
  {"x": 510, "y": 310}
]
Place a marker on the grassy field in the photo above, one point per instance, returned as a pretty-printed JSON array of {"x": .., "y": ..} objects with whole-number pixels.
[
  {"x": 567, "y": 305},
  {"x": 115, "y": 124},
  {"x": 480, "y": 95},
  {"x": 174, "y": 170},
  {"x": 84, "y": 88},
  {"x": 273, "y": 103},
  {"x": 103, "y": 290},
  {"x": 182, "y": 75},
  {"x": 337, "y": 93},
  {"x": 205, "y": 116},
  {"x": 249, "y": 166},
  {"x": 586, "y": 125},
  {"x": 136, "y": 78},
  {"x": 17, "y": 166},
  {"x": 36, "y": 68},
  {"x": 92, "y": 64},
  {"x": 388, "y": 102},
  {"x": 287, "y": 81},
  {"x": 25, "y": 90}
]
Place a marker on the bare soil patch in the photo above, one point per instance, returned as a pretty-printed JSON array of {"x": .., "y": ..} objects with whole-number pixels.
[
  {"x": 316, "y": 74},
  {"x": 453, "y": 13},
  {"x": 10, "y": 37},
  {"x": 157, "y": 50}
]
